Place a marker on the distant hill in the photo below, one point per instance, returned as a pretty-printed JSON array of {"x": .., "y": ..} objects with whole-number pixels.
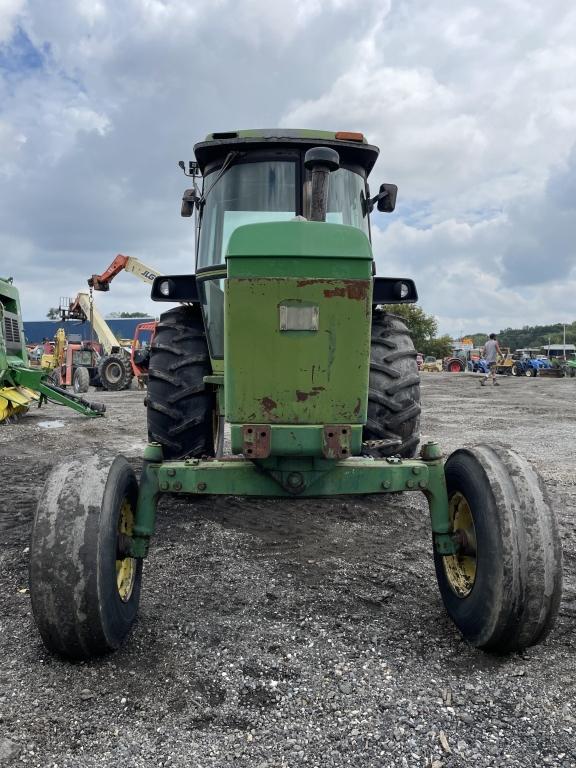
[{"x": 530, "y": 336}]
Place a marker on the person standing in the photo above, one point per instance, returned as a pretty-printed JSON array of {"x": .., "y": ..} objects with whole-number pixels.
[{"x": 490, "y": 353}]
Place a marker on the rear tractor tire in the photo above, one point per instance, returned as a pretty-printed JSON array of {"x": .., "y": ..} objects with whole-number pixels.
[
  {"x": 84, "y": 591},
  {"x": 181, "y": 408},
  {"x": 503, "y": 589},
  {"x": 115, "y": 372},
  {"x": 81, "y": 380},
  {"x": 393, "y": 426}
]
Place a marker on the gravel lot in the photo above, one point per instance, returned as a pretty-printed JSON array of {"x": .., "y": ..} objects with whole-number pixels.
[{"x": 277, "y": 634}]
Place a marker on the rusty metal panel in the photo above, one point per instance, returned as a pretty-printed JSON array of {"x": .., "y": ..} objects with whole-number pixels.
[
  {"x": 256, "y": 441},
  {"x": 336, "y": 441}
]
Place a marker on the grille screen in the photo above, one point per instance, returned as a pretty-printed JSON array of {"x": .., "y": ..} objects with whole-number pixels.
[{"x": 11, "y": 330}]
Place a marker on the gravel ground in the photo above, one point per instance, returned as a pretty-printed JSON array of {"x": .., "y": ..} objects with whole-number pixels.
[{"x": 283, "y": 634}]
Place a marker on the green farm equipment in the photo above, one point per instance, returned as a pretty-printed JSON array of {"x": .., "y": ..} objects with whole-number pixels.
[
  {"x": 21, "y": 385},
  {"x": 281, "y": 335}
]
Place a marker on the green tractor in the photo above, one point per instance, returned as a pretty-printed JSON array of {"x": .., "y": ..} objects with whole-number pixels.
[
  {"x": 281, "y": 335},
  {"x": 21, "y": 385}
]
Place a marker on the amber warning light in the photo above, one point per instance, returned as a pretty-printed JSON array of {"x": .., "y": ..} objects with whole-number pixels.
[{"x": 349, "y": 136}]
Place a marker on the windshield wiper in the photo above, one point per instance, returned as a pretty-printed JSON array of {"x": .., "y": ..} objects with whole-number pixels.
[{"x": 231, "y": 158}]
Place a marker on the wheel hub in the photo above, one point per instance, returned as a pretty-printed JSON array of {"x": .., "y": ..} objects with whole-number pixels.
[
  {"x": 460, "y": 568},
  {"x": 114, "y": 372},
  {"x": 125, "y": 566}
]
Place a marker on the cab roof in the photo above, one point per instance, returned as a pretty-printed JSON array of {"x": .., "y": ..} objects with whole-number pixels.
[{"x": 352, "y": 146}]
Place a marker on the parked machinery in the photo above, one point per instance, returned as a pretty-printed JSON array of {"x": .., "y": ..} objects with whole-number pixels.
[
  {"x": 281, "y": 331},
  {"x": 78, "y": 366},
  {"x": 505, "y": 365},
  {"x": 114, "y": 367},
  {"x": 454, "y": 364},
  {"x": 140, "y": 349},
  {"x": 432, "y": 365},
  {"x": 123, "y": 263},
  {"x": 21, "y": 385},
  {"x": 525, "y": 363}
]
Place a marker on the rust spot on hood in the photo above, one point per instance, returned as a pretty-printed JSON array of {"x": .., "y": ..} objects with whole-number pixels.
[
  {"x": 268, "y": 404},
  {"x": 357, "y": 408},
  {"x": 352, "y": 289},
  {"x": 303, "y": 283},
  {"x": 302, "y": 396}
]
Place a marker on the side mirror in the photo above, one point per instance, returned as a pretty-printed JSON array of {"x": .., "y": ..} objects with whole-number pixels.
[
  {"x": 386, "y": 198},
  {"x": 189, "y": 200}
]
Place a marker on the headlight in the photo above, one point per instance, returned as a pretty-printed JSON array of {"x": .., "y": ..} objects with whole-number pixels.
[
  {"x": 401, "y": 290},
  {"x": 164, "y": 287}
]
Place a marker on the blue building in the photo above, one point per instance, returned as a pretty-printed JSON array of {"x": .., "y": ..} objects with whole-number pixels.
[{"x": 37, "y": 330}]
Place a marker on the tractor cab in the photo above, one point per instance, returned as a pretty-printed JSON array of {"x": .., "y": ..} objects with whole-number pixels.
[{"x": 265, "y": 176}]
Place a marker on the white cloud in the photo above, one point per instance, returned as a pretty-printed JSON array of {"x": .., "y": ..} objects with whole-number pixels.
[
  {"x": 11, "y": 142},
  {"x": 9, "y": 12}
]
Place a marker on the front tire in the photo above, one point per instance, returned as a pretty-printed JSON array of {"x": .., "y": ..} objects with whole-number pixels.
[
  {"x": 81, "y": 380},
  {"x": 85, "y": 595},
  {"x": 393, "y": 426},
  {"x": 503, "y": 589},
  {"x": 180, "y": 407}
]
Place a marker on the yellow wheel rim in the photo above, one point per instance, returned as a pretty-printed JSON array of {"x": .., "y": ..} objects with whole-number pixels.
[
  {"x": 126, "y": 566},
  {"x": 460, "y": 569}
]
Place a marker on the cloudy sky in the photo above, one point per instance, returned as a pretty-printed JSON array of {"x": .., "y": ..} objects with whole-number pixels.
[{"x": 473, "y": 105}]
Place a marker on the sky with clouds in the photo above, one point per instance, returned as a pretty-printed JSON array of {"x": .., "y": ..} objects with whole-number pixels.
[{"x": 473, "y": 105}]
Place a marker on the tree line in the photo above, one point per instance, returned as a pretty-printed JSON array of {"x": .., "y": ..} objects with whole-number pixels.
[
  {"x": 535, "y": 336},
  {"x": 424, "y": 330}
]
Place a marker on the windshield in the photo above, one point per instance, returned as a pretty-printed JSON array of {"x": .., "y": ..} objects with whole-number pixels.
[
  {"x": 266, "y": 190},
  {"x": 247, "y": 193}
]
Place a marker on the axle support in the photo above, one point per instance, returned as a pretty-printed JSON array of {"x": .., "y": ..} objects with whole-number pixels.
[{"x": 285, "y": 477}]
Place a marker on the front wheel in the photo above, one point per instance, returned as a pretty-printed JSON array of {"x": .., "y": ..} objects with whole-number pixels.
[
  {"x": 531, "y": 372},
  {"x": 84, "y": 590},
  {"x": 503, "y": 588},
  {"x": 81, "y": 380}
]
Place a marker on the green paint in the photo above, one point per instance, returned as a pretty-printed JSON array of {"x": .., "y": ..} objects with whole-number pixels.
[
  {"x": 37, "y": 380},
  {"x": 301, "y": 374},
  {"x": 14, "y": 370},
  {"x": 12, "y": 352},
  {"x": 297, "y": 239},
  {"x": 149, "y": 490},
  {"x": 273, "y": 477},
  {"x": 296, "y": 376}
]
